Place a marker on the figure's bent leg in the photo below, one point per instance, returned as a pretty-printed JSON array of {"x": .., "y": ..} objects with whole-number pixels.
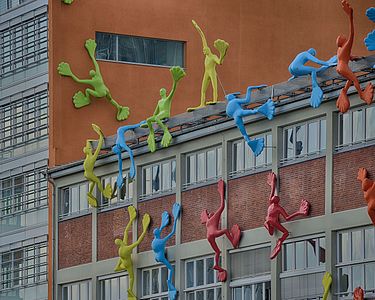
[
  {"x": 317, "y": 93},
  {"x": 279, "y": 243},
  {"x": 256, "y": 145},
  {"x": 342, "y": 102},
  {"x": 151, "y": 136},
  {"x": 269, "y": 227},
  {"x": 80, "y": 100},
  {"x": 267, "y": 109},
  {"x": 122, "y": 111},
  {"x": 90, "y": 197},
  {"x": 131, "y": 277},
  {"x": 371, "y": 213},
  {"x": 167, "y": 137}
]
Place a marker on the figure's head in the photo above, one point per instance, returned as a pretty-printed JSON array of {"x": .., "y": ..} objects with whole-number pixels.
[
  {"x": 206, "y": 51},
  {"x": 87, "y": 149},
  {"x": 275, "y": 199},
  {"x": 118, "y": 242},
  {"x": 341, "y": 40},
  {"x": 232, "y": 96},
  {"x": 157, "y": 233},
  {"x": 312, "y": 51},
  {"x": 92, "y": 73},
  {"x": 116, "y": 149},
  {"x": 163, "y": 92}
]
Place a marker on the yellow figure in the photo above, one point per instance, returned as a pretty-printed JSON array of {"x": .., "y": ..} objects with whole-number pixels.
[
  {"x": 125, "y": 250},
  {"x": 88, "y": 166},
  {"x": 326, "y": 282},
  {"x": 210, "y": 62}
]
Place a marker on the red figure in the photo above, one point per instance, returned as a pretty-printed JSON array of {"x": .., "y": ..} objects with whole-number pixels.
[
  {"x": 275, "y": 210},
  {"x": 358, "y": 293},
  {"x": 343, "y": 57},
  {"x": 212, "y": 221},
  {"x": 368, "y": 187}
]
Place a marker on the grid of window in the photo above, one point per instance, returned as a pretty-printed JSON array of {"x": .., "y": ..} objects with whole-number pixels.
[
  {"x": 244, "y": 160},
  {"x": 356, "y": 126},
  {"x": 304, "y": 139},
  {"x": 139, "y": 50},
  {"x": 23, "y": 123},
  {"x": 303, "y": 266},
  {"x": 119, "y": 196},
  {"x": 77, "y": 291},
  {"x": 9, "y": 4},
  {"x": 23, "y": 47},
  {"x": 201, "y": 280},
  {"x": 36, "y": 292},
  {"x": 203, "y": 166},
  {"x": 356, "y": 262},
  {"x": 154, "y": 283},
  {"x": 23, "y": 200},
  {"x": 114, "y": 288},
  {"x": 158, "y": 178},
  {"x": 74, "y": 200},
  {"x": 24, "y": 266}
]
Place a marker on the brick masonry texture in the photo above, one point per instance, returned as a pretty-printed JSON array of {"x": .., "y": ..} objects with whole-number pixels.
[
  {"x": 155, "y": 208},
  {"x": 75, "y": 242},
  {"x": 303, "y": 180},
  {"x": 194, "y": 201},
  {"x": 111, "y": 226},
  {"x": 347, "y": 191},
  {"x": 248, "y": 201}
]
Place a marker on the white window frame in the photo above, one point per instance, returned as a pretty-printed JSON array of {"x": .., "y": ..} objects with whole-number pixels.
[
  {"x": 155, "y": 296},
  {"x": 108, "y": 280},
  {"x": 69, "y": 287},
  {"x": 82, "y": 209}
]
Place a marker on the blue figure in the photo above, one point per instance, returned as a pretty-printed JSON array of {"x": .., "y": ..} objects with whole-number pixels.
[
  {"x": 117, "y": 148},
  {"x": 370, "y": 39},
  {"x": 158, "y": 246},
  {"x": 234, "y": 110},
  {"x": 297, "y": 68}
]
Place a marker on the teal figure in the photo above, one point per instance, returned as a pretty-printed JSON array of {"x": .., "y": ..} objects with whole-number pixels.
[
  {"x": 121, "y": 145},
  {"x": 297, "y": 68},
  {"x": 370, "y": 39},
  {"x": 158, "y": 246},
  {"x": 234, "y": 110}
]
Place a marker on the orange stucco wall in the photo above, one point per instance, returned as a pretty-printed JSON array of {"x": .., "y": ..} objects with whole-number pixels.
[{"x": 264, "y": 37}]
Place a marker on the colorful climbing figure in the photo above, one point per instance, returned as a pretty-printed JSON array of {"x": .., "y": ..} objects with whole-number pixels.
[
  {"x": 343, "y": 57},
  {"x": 212, "y": 221},
  {"x": 125, "y": 250},
  {"x": 88, "y": 166},
  {"x": 100, "y": 89},
  {"x": 210, "y": 62},
  {"x": 370, "y": 39},
  {"x": 298, "y": 68},
  {"x": 368, "y": 187},
  {"x": 158, "y": 246},
  {"x": 234, "y": 110},
  {"x": 275, "y": 210},
  {"x": 326, "y": 282},
  {"x": 358, "y": 293},
  {"x": 67, "y": 1}
]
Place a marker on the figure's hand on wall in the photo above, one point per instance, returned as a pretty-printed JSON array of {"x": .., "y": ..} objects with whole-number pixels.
[
  {"x": 346, "y": 7},
  {"x": 362, "y": 174},
  {"x": 146, "y": 221},
  {"x": 271, "y": 179},
  {"x": 177, "y": 73},
  {"x": 176, "y": 210},
  {"x": 90, "y": 45},
  {"x": 97, "y": 130},
  {"x": 304, "y": 207},
  {"x": 132, "y": 212},
  {"x": 64, "y": 69}
]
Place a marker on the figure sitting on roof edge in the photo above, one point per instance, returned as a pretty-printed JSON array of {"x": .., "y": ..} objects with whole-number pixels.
[
  {"x": 210, "y": 62},
  {"x": 234, "y": 110},
  {"x": 163, "y": 111},
  {"x": 370, "y": 39},
  {"x": 96, "y": 81},
  {"x": 88, "y": 166},
  {"x": 297, "y": 68},
  {"x": 343, "y": 57}
]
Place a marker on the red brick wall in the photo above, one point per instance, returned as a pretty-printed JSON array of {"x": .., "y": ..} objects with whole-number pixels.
[
  {"x": 303, "y": 180},
  {"x": 193, "y": 203},
  {"x": 347, "y": 192},
  {"x": 75, "y": 242},
  {"x": 111, "y": 226},
  {"x": 155, "y": 208},
  {"x": 248, "y": 201}
]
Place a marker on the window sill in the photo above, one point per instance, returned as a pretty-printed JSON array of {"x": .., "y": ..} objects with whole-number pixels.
[
  {"x": 299, "y": 272},
  {"x": 120, "y": 204},
  {"x": 191, "y": 186},
  {"x": 135, "y": 63},
  {"x": 246, "y": 172},
  {"x": 75, "y": 215},
  {"x": 202, "y": 287},
  {"x": 354, "y": 146},
  {"x": 158, "y": 195},
  {"x": 299, "y": 159}
]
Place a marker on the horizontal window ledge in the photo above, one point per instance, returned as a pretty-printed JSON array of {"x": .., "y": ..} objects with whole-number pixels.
[
  {"x": 194, "y": 185},
  {"x": 299, "y": 159},
  {"x": 299, "y": 272},
  {"x": 245, "y": 172},
  {"x": 156, "y": 195},
  {"x": 74, "y": 215},
  {"x": 119, "y": 204},
  {"x": 202, "y": 287},
  {"x": 354, "y": 146}
]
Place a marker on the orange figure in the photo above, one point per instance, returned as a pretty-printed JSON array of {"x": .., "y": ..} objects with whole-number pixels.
[
  {"x": 343, "y": 57},
  {"x": 368, "y": 187},
  {"x": 358, "y": 293}
]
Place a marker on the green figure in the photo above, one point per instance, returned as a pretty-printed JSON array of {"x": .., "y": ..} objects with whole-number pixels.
[
  {"x": 210, "y": 63},
  {"x": 88, "y": 166},
  {"x": 125, "y": 262},
  {"x": 67, "y": 1},
  {"x": 326, "y": 282},
  {"x": 163, "y": 111},
  {"x": 100, "y": 90}
]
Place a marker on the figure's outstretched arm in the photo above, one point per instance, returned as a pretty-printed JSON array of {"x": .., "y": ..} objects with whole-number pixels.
[
  {"x": 204, "y": 41},
  {"x": 177, "y": 74},
  {"x": 91, "y": 48},
  {"x": 221, "y": 190},
  {"x": 349, "y": 11},
  {"x": 317, "y": 61},
  {"x": 272, "y": 180},
  {"x": 101, "y": 139},
  {"x": 145, "y": 223},
  {"x": 366, "y": 183},
  {"x": 173, "y": 230}
]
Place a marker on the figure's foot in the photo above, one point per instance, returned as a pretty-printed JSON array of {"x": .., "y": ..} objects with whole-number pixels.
[
  {"x": 236, "y": 234},
  {"x": 92, "y": 200},
  {"x": 276, "y": 250},
  {"x": 368, "y": 93},
  {"x": 131, "y": 295},
  {"x": 122, "y": 113},
  {"x": 342, "y": 102},
  {"x": 326, "y": 282},
  {"x": 190, "y": 109},
  {"x": 211, "y": 102},
  {"x": 222, "y": 275},
  {"x": 80, "y": 100},
  {"x": 167, "y": 139},
  {"x": 316, "y": 97},
  {"x": 268, "y": 109},
  {"x": 291, "y": 78},
  {"x": 151, "y": 143},
  {"x": 107, "y": 192},
  {"x": 172, "y": 294},
  {"x": 256, "y": 146}
]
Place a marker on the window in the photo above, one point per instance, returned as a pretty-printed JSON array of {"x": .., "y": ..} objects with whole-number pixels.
[
  {"x": 154, "y": 283},
  {"x": 356, "y": 261},
  {"x": 77, "y": 291},
  {"x": 23, "y": 200},
  {"x": 304, "y": 266},
  {"x": 24, "y": 124},
  {"x": 201, "y": 279},
  {"x": 244, "y": 160},
  {"x": 203, "y": 166},
  {"x": 114, "y": 288},
  {"x": 158, "y": 178},
  {"x": 251, "y": 274},
  {"x": 304, "y": 139},
  {"x": 9, "y": 4},
  {"x": 139, "y": 50},
  {"x": 23, "y": 49},
  {"x": 356, "y": 127},
  {"x": 74, "y": 200}
]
